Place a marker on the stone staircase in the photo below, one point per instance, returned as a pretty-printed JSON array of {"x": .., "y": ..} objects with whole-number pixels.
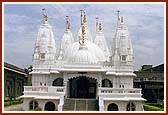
[{"x": 80, "y": 105}]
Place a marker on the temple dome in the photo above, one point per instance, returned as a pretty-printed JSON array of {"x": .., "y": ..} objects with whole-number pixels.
[
  {"x": 92, "y": 51},
  {"x": 83, "y": 56}
]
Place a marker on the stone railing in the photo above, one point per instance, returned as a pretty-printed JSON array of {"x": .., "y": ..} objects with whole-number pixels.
[
  {"x": 44, "y": 89},
  {"x": 119, "y": 92}
]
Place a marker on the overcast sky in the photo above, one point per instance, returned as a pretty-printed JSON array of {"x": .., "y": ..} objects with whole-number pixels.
[{"x": 145, "y": 23}]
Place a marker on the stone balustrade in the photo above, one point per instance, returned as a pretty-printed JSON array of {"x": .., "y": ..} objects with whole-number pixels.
[
  {"x": 44, "y": 89},
  {"x": 119, "y": 92}
]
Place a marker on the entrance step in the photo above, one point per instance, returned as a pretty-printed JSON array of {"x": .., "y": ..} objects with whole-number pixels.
[
  {"x": 80, "y": 105},
  {"x": 92, "y": 105},
  {"x": 69, "y": 105}
]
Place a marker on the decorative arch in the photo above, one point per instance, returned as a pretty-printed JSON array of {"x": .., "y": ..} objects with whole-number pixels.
[
  {"x": 33, "y": 105},
  {"x": 76, "y": 75},
  {"x": 131, "y": 106},
  {"x": 58, "y": 82},
  {"x": 112, "y": 107},
  {"x": 49, "y": 106},
  {"x": 106, "y": 83},
  {"x": 87, "y": 76}
]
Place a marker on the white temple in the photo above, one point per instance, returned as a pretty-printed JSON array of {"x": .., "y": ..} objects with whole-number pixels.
[{"x": 83, "y": 75}]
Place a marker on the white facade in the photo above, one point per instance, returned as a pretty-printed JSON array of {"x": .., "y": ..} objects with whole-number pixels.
[{"x": 83, "y": 69}]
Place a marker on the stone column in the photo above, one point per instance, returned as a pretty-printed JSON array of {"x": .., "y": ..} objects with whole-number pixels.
[
  {"x": 60, "y": 106},
  {"x": 101, "y": 104}
]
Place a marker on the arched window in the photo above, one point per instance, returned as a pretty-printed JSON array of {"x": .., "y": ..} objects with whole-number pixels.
[
  {"x": 49, "y": 106},
  {"x": 113, "y": 107},
  {"x": 58, "y": 82},
  {"x": 131, "y": 106},
  {"x": 33, "y": 105},
  {"x": 8, "y": 90},
  {"x": 106, "y": 83}
]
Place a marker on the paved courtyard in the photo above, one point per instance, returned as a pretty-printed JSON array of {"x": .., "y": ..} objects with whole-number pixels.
[{"x": 17, "y": 107}]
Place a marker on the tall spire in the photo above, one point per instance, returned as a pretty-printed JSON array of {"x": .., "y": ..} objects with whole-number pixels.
[{"x": 67, "y": 23}]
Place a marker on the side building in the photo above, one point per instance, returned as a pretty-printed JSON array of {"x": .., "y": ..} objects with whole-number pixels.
[
  {"x": 151, "y": 80},
  {"x": 15, "y": 79}
]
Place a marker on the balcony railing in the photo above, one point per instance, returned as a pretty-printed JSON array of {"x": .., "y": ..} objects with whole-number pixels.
[
  {"x": 108, "y": 90},
  {"x": 44, "y": 89},
  {"x": 120, "y": 92}
]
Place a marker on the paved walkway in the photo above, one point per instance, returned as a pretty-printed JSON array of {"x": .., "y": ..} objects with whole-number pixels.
[{"x": 17, "y": 107}]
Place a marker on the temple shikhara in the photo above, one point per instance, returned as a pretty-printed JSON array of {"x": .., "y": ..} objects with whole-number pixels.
[{"x": 83, "y": 74}]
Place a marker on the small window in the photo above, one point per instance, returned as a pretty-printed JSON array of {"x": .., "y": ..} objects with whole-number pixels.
[
  {"x": 33, "y": 105},
  {"x": 42, "y": 56},
  {"x": 122, "y": 36},
  {"x": 123, "y": 58},
  {"x": 41, "y": 83},
  {"x": 131, "y": 106}
]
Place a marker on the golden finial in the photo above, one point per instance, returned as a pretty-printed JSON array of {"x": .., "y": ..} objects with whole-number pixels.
[
  {"x": 67, "y": 23},
  {"x": 82, "y": 40},
  {"x": 84, "y": 18},
  {"x": 69, "y": 26},
  {"x": 118, "y": 14},
  {"x": 97, "y": 23},
  {"x": 83, "y": 34},
  {"x": 46, "y": 18},
  {"x": 122, "y": 20},
  {"x": 45, "y": 14},
  {"x": 100, "y": 27}
]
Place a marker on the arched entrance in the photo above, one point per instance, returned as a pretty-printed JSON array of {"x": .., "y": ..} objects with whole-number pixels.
[
  {"x": 113, "y": 107},
  {"x": 49, "y": 106},
  {"x": 82, "y": 87}
]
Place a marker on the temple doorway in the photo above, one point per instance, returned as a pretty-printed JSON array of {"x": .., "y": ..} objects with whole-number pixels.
[{"x": 82, "y": 87}]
